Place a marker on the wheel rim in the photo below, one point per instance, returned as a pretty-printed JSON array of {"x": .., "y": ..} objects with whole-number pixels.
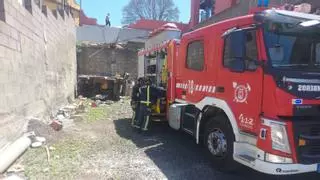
[{"x": 217, "y": 143}]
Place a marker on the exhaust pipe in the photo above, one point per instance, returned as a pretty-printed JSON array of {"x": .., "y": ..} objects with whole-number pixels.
[{"x": 11, "y": 153}]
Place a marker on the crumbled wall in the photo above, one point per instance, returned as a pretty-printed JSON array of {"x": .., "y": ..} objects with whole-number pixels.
[
  {"x": 109, "y": 61},
  {"x": 37, "y": 64}
]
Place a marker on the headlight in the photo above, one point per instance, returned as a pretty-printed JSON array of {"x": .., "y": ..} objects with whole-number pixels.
[
  {"x": 277, "y": 159},
  {"x": 279, "y": 136}
]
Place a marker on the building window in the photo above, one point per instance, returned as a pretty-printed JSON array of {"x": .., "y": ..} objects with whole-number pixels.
[
  {"x": 251, "y": 51},
  {"x": 195, "y": 56},
  {"x": 207, "y": 8}
]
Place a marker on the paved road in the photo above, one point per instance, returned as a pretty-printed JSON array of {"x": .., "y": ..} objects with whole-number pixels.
[{"x": 178, "y": 157}]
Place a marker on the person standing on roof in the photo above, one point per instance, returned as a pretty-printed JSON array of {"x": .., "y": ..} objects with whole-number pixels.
[
  {"x": 108, "y": 23},
  {"x": 208, "y": 9}
]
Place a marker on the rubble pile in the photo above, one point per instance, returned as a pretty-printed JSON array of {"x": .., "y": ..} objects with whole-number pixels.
[{"x": 64, "y": 117}]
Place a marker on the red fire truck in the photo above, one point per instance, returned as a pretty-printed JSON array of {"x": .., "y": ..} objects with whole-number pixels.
[{"x": 248, "y": 88}]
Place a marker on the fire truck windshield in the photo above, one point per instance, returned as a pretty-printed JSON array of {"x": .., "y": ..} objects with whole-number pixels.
[
  {"x": 293, "y": 43},
  {"x": 293, "y": 47}
]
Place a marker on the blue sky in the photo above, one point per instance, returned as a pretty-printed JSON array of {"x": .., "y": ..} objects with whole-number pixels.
[{"x": 99, "y": 8}]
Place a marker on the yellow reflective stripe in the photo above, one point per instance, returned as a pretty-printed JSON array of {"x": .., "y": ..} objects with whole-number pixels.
[
  {"x": 148, "y": 97},
  {"x": 148, "y": 94},
  {"x": 145, "y": 102},
  {"x": 133, "y": 118},
  {"x": 146, "y": 124}
]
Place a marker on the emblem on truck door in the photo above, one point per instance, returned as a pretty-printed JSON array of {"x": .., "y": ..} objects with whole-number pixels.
[{"x": 241, "y": 92}]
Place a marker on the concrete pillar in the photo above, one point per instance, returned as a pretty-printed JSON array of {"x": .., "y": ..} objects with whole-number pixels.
[{"x": 195, "y": 7}]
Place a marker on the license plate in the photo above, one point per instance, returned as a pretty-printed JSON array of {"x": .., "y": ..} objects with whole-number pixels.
[{"x": 318, "y": 169}]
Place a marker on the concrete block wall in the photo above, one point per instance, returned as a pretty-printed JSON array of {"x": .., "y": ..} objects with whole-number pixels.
[
  {"x": 37, "y": 64},
  {"x": 109, "y": 61}
]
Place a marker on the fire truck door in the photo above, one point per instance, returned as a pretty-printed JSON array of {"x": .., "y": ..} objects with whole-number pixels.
[
  {"x": 243, "y": 90},
  {"x": 192, "y": 64}
]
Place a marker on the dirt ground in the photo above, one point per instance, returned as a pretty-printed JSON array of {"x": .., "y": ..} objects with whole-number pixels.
[{"x": 102, "y": 145}]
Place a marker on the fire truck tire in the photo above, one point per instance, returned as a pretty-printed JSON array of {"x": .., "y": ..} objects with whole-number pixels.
[{"x": 218, "y": 141}]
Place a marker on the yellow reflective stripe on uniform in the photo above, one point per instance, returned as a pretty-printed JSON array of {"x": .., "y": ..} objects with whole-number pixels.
[
  {"x": 148, "y": 97},
  {"x": 145, "y": 102},
  {"x": 145, "y": 128},
  {"x": 148, "y": 94}
]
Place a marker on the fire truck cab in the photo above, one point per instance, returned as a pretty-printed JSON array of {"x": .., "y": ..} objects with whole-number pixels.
[{"x": 248, "y": 88}]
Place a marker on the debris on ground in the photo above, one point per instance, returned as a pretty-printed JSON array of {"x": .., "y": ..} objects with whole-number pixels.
[
  {"x": 51, "y": 148},
  {"x": 37, "y": 141},
  {"x": 107, "y": 147},
  {"x": 56, "y": 125},
  {"x": 63, "y": 156},
  {"x": 16, "y": 168},
  {"x": 64, "y": 116},
  {"x": 12, "y": 177},
  {"x": 81, "y": 108},
  {"x": 40, "y": 139},
  {"x": 36, "y": 144},
  {"x": 93, "y": 104},
  {"x": 101, "y": 97}
]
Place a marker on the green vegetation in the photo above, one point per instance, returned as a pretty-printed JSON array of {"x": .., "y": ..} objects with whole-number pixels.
[
  {"x": 64, "y": 160},
  {"x": 96, "y": 113}
]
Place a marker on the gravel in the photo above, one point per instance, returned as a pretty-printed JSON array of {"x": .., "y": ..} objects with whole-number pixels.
[{"x": 106, "y": 147}]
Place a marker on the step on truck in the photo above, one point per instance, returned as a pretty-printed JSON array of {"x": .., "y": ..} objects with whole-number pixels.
[{"x": 248, "y": 88}]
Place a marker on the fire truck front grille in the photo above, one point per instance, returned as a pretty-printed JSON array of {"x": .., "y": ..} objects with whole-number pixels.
[
  {"x": 307, "y": 141},
  {"x": 315, "y": 131}
]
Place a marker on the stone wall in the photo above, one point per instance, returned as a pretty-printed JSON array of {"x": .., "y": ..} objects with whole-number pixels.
[
  {"x": 37, "y": 64},
  {"x": 109, "y": 61}
]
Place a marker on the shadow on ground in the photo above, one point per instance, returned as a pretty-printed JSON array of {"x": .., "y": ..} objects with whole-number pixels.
[{"x": 178, "y": 157}]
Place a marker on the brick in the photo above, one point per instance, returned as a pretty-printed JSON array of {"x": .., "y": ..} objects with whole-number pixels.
[
  {"x": 12, "y": 44},
  {"x": 4, "y": 39},
  {"x": 2, "y": 51},
  {"x": 10, "y": 20},
  {"x": 5, "y": 64},
  {"x": 9, "y": 54},
  {"x": 11, "y": 10},
  {"x": 4, "y": 28},
  {"x": 14, "y": 34},
  {"x": 18, "y": 48}
]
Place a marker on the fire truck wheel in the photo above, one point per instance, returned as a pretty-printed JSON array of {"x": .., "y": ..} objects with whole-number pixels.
[{"x": 218, "y": 141}]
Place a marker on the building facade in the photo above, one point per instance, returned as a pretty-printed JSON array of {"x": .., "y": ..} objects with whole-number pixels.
[
  {"x": 68, "y": 5},
  {"x": 204, "y": 12}
]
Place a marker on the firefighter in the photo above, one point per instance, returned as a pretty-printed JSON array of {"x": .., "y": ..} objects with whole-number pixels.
[
  {"x": 148, "y": 96},
  {"x": 135, "y": 103},
  {"x": 145, "y": 106}
]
